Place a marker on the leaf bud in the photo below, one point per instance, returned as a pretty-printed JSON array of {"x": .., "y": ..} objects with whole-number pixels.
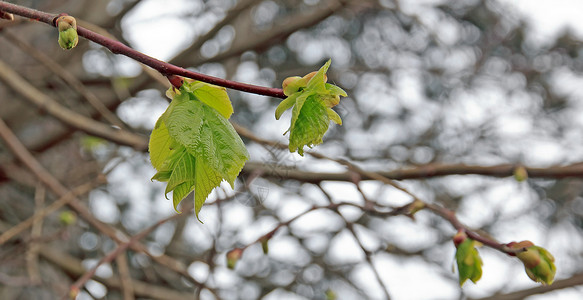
[
  {"x": 68, "y": 37},
  {"x": 265, "y": 246},
  {"x": 67, "y": 218},
  {"x": 233, "y": 257},
  {"x": 538, "y": 262},
  {"x": 520, "y": 174}
]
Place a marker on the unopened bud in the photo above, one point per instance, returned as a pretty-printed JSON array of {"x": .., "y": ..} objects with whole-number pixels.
[
  {"x": 520, "y": 174},
  {"x": 459, "y": 238},
  {"x": 292, "y": 84},
  {"x": 416, "y": 206},
  {"x": 233, "y": 257},
  {"x": 538, "y": 262},
  {"x": 331, "y": 295},
  {"x": 67, "y": 218},
  {"x": 68, "y": 37}
]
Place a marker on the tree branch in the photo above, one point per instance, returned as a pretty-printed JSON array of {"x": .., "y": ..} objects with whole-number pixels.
[
  {"x": 67, "y": 116},
  {"x": 116, "y": 47},
  {"x": 418, "y": 172},
  {"x": 557, "y": 285},
  {"x": 18, "y": 149},
  {"x": 73, "y": 265}
]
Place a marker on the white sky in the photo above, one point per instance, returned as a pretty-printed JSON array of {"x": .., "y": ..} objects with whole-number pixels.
[{"x": 548, "y": 18}]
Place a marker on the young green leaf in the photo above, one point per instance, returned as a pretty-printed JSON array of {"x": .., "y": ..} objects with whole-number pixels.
[
  {"x": 467, "y": 258},
  {"x": 312, "y": 99},
  {"x": 193, "y": 146}
]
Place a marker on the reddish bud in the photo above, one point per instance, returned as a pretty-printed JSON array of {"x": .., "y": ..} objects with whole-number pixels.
[
  {"x": 233, "y": 257},
  {"x": 459, "y": 237}
]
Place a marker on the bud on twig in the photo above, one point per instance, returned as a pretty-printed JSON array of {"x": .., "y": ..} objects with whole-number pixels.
[
  {"x": 67, "y": 218},
  {"x": 539, "y": 263},
  {"x": 520, "y": 174},
  {"x": 233, "y": 257},
  {"x": 68, "y": 37}
]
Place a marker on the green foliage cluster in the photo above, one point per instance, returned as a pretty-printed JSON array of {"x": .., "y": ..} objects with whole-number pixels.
[
  {"x": 311, "y": 98},
  {"x": 193, "y": 146}
]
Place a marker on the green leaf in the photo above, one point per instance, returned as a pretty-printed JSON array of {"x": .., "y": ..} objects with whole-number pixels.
[
  {"x": 468, "y": 261},
  {"x": 311, "y": 98},
  {"x": 284, "y": 105},
  {"x": 318, "y": 82},
  {"x": 68, "y": 38},
  {"x": 211, "y": 95},
  {"x": 310, "y": 125},
  {"x": 193, "y": 146},
  {"x": 334, "y": 117},
  {"x": 159, "y": 145},
  {"x": 335, "y": 90}
]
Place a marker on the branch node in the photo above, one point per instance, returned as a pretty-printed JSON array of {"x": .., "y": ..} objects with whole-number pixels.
[
  {"x": 176, "y": 81},
  {"x": 54, "y": 22}
]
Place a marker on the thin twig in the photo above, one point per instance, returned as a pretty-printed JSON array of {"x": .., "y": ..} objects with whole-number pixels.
[
  {"x": 126, "y": 279},
  {"x": 68, "y": 78},
  {"x": 72, "y": 265},
  {"x": 18, "y": 149},
  {"x": 78, "y": 191},
  {"x": 116, "y": 47},
  {"x": 36, "y": 232},
  {"x": 67, "y": 116},
  {"x": 117, "y": 251}
]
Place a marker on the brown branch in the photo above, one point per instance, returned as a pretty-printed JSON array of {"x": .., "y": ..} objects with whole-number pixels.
[
  {"x": 18, "y": 149},
  {"x": 115, "y": 253},
  {"x": 419, "y": 172},
  {"x": 116, "y": 47},
  {"x": 67, "y": 198},
  {"x": 36, "y": 232},
  {"x": 73, "y": 266},
  {"x": 67, "y": 77},
  {"x": 125, "y": 277},
  {"x": 367, "y": 255},
  {"x": 572, "y": 281},
  {"x": 67, "y": 116},
  {"x": 186, "y": 54},
  {"x": 263, "y": 40}
]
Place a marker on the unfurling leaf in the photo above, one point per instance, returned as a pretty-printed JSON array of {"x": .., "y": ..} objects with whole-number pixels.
[
  {"x": 265, "y": 245},
  {"x": 467, "y": 258},
  {"x": 312, "y": 100},
  {"x": 539, "y": 263},
  {"x": 68, "y": 37},
  {"x": 193, "y": 146}
]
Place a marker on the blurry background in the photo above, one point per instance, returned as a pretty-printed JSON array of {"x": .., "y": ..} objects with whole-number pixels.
[{"x": 429, "y": 82}]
